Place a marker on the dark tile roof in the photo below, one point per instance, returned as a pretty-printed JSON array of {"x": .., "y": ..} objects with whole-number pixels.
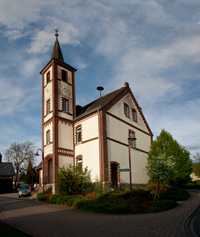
[
  {"x": 98, "y": 104},
  {"x": 6, "y": 169},
  {"x": 39, "y": 167}
]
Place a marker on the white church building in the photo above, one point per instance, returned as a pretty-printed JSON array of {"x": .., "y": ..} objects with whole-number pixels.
[{"x": 95, "y": 135}]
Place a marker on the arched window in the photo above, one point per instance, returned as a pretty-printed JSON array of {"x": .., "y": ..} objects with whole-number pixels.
[
  {"x": 48, "y": 138},
  {"x": 48, "y": 77},
  {"x": 134, "y": 115},
  {"x": 48, "y": 106},
  {"x": 64, "y": 76},
  {"x": 78, "y": 134},
  {"x": 79, "y": 163},
  {"x": 126, "y": 110},
  {"x": 65, "y": 107}
]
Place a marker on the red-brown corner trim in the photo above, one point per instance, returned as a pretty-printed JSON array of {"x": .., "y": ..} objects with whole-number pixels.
[{"x": 104, "y": 146}]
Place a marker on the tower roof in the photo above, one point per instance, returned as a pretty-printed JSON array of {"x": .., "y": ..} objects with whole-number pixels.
[{"x": 57, "y": 53}]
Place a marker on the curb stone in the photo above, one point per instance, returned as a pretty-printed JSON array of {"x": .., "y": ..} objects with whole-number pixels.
[{"x": 189, "y": 223}]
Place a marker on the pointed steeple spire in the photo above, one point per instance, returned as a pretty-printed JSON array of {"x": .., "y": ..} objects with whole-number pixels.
[{"x": 57, "y": 53}]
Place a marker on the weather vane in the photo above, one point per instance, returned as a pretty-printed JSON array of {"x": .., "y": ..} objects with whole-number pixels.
[{"x": 56, "y": 30}]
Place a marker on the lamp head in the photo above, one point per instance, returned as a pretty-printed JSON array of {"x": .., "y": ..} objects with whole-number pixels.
[
  {"x": 37, "y": 154},
  {"x": 132, "y": 138}
]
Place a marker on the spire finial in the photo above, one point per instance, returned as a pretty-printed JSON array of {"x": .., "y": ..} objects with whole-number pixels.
[{"x": 56, "y": 30}]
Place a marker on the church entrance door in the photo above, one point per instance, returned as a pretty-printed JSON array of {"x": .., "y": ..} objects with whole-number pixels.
[{"x": 114, "y": 175}]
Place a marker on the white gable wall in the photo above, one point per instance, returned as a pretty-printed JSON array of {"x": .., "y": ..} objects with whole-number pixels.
[{"x": 117, "y": 141}]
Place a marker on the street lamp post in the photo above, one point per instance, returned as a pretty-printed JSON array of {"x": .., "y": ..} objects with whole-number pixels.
[
  {"x": 37, "y": 154},
  {"x": 130, "y": 138}
]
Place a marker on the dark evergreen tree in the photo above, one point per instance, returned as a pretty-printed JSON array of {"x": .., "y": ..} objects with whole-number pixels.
[
  {"x": 30, "y": 174},
  {"x": 165, "y": 144}
]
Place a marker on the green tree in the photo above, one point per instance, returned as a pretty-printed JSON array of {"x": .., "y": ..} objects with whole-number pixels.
[
  {"x": 160, "y": 168},
  {"x": 165, "y": 144},
  {"x": 20, "y": 154},
  {"x": 71, "y": 181},
  {"x": 29, "y": 178},
  {"x": 197, "y": 168}
]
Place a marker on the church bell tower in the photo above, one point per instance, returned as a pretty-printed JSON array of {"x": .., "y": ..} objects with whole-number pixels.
[{"x": 58, "y": 113}]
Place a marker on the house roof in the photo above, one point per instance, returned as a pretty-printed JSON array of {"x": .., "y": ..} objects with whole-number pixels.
[
  {"x": 98, "y": 104},
  {"x": 6, "y": 169},
  {"x": 39, "y": 167}
]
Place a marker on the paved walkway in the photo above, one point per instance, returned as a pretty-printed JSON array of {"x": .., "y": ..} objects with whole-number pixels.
[{"x": 40, "y": 219}]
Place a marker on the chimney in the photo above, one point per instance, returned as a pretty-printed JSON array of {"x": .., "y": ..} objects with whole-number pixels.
[{"x": 126, "y": 84}]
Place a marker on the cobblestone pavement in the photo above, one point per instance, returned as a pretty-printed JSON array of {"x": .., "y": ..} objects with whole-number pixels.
[{"x": 41, "y": 219}]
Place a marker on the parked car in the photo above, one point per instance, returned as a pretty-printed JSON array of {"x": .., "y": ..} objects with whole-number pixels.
[
  {"x": 24, "y": 191},
  {"x": 32, "y": 187}
]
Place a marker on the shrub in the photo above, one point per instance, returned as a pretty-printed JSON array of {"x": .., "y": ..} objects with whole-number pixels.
[
  {"x": 54, "y": 199},
  {"x": 145, "y": 194},
  {"x": 70, "y": 181},
  {"x": 41, "y": 197},
  {"x": 175, "y": 194},
  {"x": 164, "y": 205}
]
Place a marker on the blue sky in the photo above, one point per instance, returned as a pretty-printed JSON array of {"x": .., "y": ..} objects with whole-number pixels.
[{"x": 154, "y": 45}]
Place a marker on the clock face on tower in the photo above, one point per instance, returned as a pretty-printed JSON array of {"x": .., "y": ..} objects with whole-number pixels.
[{"x": 66, "y": 90}]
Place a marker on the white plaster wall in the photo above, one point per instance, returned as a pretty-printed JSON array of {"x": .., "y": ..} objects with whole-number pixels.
[
  {"x": 65, "y": 161},
  {"x": 65, "y": 132},
  {"x": 118, "y": 110},
  {"x": 65, "y": 116},
  {"x": 48, "y": 150},
  {"x": 119, "y": 153},
  {"x": 118, "y": 130},
  {"x": 45, "y": 76},
  {"x": 89, "y": 149},
  {"x": 89, "y": 127},
  {"x": 48, "y": 95},
  {"x": 90, "y": 153}
]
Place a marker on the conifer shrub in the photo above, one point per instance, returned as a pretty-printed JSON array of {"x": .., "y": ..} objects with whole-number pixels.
[
  {"x": 72, "y": 181},
  {"x": 42, "y": 197}
]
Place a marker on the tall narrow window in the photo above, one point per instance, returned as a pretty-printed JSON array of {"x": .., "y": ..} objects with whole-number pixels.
[
  {"x": 126, "y": 110},
  {"x": 64, "y": 75},
  {"x": 65, "y": 105},
  {"x": 80, "y": 164},
  {"x": 48, "y": 137},
  {"x": 48, "y": 109},
  {"x": 134, "y": 115},
  {"x": 132, "y": 141},
  {"x": 48, "y": 77},
  {"x": 78, "y": 134}
]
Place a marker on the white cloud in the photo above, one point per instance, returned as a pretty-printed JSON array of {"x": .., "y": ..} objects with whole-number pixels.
[
  {"x": 29, "y": 67},
  {"x": 19, "y": 15},
  {"x": 44, "y": 39},
  {"x": 10, "y": 96}
]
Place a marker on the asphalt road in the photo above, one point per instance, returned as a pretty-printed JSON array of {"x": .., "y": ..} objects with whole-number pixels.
[{"x": 41, "y": 219}]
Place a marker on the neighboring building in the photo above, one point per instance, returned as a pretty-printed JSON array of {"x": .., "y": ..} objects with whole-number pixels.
[
  {"x": 95, "y": 135},
  {"x": 6, "y": 176},
  {"x": 39, "y": 170},
  {"x": 193, "y": 176}
]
